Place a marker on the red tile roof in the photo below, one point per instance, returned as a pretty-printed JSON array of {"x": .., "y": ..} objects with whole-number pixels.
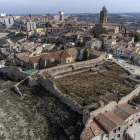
[
  {"x": 125, "y": 110},
  {"x": 109, "y": 120},
  {"x": 65, "y": 54},
  {"x": 36, "y": 59}
]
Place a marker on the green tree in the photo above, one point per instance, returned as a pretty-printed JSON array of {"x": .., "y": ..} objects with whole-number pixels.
[
  {"x": 137, "y": 38},
  {"x": 43, "y": 40},
  {"x": 85, "y": 55},
  {"x": 11, "y": 63},
  {"x": 47, "y": 24},
  {"x": 132, "y": 60}
]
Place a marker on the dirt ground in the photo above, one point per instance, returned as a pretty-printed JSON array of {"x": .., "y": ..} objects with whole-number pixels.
[{"x": 93, "y": 87}]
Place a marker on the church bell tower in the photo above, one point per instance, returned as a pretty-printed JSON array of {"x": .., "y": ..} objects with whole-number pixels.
[{"x": 103, "y": 15}]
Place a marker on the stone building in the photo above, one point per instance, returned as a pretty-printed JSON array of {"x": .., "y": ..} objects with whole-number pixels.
[
  {"x": 55, "y": 30},
  {"x": 60, "y": 16},
  {"x": 34, "y": 62},
  {"x": 108, "y": 36},
  {"x": 31, "y": 26},
  {"x": 104, "y": 26},
  {"x": 108, "y": 44},
  {"x": 103, "y": 15},
  {"x": 94, "y": 43},
  {"x": 22, "y": 59},
  {"x": 59, "y": 57},
  {"x": 65, "y": 57},
  {"x": 112, "y": 125}
]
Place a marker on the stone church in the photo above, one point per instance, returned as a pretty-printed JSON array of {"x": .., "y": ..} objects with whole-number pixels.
[{"x": 104, "y": 26}]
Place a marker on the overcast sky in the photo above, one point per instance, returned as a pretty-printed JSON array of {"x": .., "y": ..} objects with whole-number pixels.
[{"x": 67, "y": 6}]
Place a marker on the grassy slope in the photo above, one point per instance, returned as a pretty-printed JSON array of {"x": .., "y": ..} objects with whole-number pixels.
[{"x": 19, "y": 119}]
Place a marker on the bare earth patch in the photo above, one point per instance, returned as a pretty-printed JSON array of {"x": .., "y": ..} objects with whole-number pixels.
[{"x": 92, "y": 87}]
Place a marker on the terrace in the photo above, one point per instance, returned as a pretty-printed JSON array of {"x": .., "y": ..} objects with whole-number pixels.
[{"x": 104, "y": 82}]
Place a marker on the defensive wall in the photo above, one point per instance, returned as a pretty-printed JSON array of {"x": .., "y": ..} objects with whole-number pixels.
[
  {"x": 50, "y": 86},
  {"x": 17, "y": 74},
  {"x": 74, "y": 66}
]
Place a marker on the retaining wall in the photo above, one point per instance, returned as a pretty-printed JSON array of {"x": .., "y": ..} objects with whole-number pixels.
[
  {"x": 50, "y": 86},
  {"x": 132, "y": 78},
  {"x": 130, "y": 96},
  {"x": 77, "y": 65},
  {"x": 72, "y": 73}
]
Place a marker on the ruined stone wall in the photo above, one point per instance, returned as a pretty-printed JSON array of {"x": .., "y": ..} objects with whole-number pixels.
[
  {"x": 14, "y": 73},
  {"x": 16, "y": 85},
  {"x": 50, "y": 86},
  {"x": 77, "y": 65},
  {"x": 87, "y": 118},
  {"x": 72, "y": 73},
  {"x": 107, "y": 107},
  {"x": 130, "y": 96},
  {"x": 17, "y": 89},
  {"x": 132, "y": 78}
]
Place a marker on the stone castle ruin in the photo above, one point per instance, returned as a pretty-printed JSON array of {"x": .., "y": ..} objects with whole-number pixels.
[{"x": 47, "y": 77}]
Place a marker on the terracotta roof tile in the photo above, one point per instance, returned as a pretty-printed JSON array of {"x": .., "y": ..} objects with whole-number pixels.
[
  {"x": 92, "y": 130},
  {"x": 125, "y": 110},
  {"x": 65, "y": 54},
  {"x": 36, "y": 59},
  {"x": 109, "y": 120}
]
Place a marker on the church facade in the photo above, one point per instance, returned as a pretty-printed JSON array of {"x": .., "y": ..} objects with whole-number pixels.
[{"x": 104, "y": 26}]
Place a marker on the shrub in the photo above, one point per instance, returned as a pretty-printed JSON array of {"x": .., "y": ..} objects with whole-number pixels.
[{"x": 134, "y": 84}]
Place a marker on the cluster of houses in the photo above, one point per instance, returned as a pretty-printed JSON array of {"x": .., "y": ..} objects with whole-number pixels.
[{"x": 112, "y": 125}]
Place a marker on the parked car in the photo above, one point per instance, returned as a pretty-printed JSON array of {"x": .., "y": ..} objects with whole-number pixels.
[{"x": 126, "y": 66}]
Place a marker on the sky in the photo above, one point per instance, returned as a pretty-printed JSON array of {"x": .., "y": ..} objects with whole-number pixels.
[{"x": 67, "y": 6}]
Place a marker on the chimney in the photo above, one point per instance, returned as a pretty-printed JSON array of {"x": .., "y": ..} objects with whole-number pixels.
[{"x": 101, "y": 103}]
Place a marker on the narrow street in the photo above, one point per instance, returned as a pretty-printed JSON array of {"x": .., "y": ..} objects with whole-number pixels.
[{"x": 133, "y": 68}]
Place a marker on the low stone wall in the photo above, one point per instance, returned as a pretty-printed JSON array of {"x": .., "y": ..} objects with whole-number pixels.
[
  {"x": 14, "y": 73},
  {"x": 132, "y": 78},
  {"x": 72, "y": 73},
  {"x": 87, "y": 116},
  {"x": 16, "y": 86},
  {"x": 77, "y": 65},
  {"x": 59, "y": 71},
  {"x": 50, "y": 86},
  {"x": 107, "y": 107},
  {"x": 128, "y": 83},
  {"x": 17, "y": 89},
  {"x": 130, "y": 96}
]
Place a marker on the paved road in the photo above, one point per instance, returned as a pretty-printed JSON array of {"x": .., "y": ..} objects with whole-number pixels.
[
  {"x": 133, "y": 68},
  {"x": 134, "y": 130}
]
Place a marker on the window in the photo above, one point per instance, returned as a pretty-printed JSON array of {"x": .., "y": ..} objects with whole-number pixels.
[
  {"x": 114, "y": 131},
  {"x": 119, "y": 135},
  {"x": 132, "y": 119},
  {"x": 119, "y": 128},
  {"x": 68, "y": 60}
]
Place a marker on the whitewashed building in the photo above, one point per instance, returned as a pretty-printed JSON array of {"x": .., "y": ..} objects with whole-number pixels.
[{"x": 94, "y": 44}]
